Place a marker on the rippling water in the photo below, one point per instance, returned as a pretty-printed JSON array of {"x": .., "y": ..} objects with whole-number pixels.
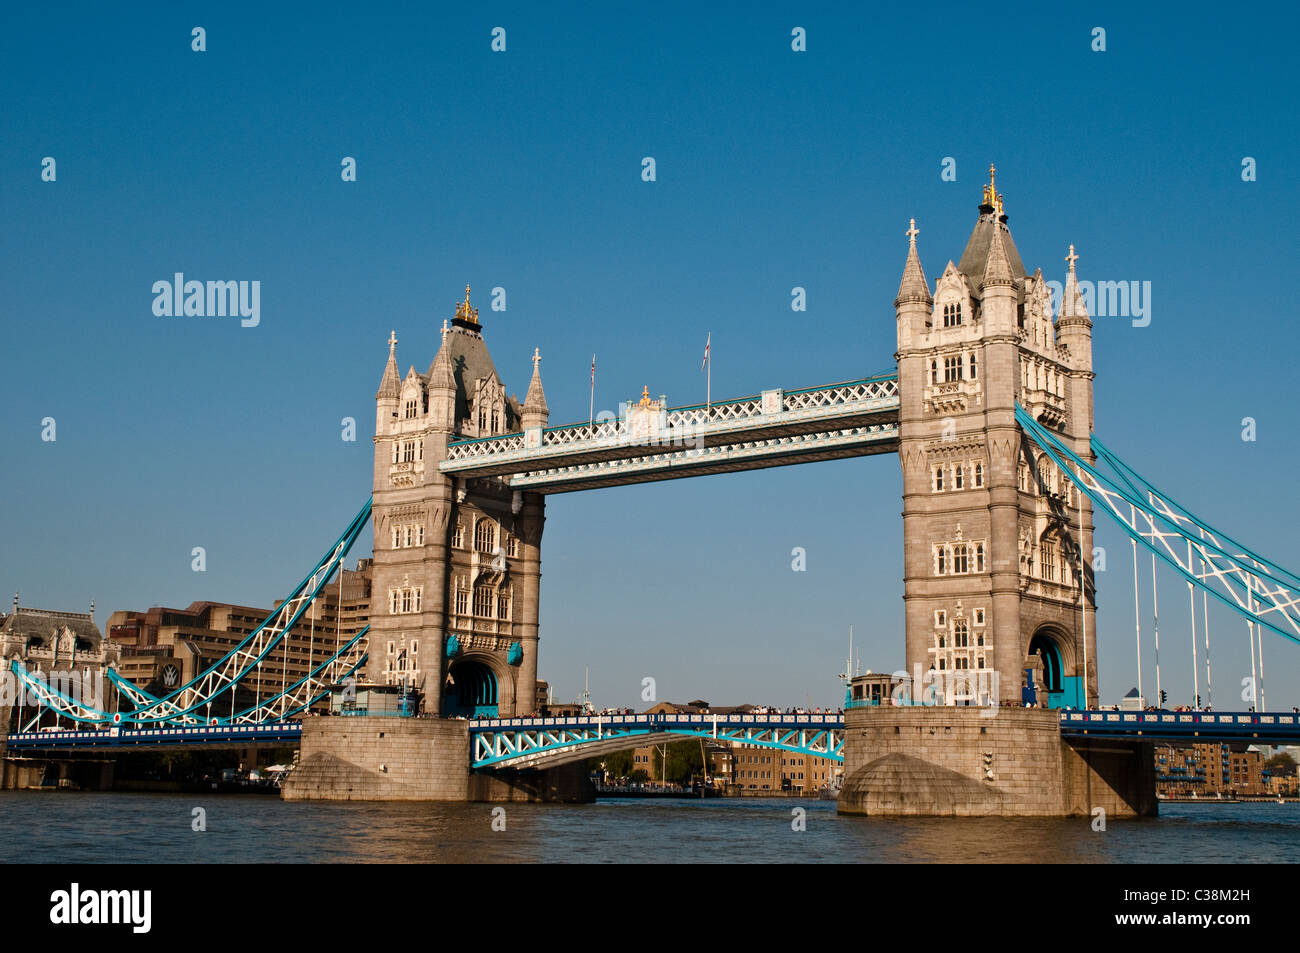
[{"x": 113, "y": 827}]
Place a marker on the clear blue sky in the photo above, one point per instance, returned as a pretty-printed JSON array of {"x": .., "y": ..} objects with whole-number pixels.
[{"x": 522, "y": 170}]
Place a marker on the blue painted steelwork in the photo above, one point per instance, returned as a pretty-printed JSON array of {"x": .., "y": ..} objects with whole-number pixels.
[
  {"x": 533, "y": 742},
  {"x": 286, "y": 731},
  {"x": 1255, "y": 588},
  {"x": 1190, "y": 726}
]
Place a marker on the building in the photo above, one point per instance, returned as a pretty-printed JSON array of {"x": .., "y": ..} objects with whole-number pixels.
[
  {"x": 992, "y": 532},
  {"x": 457, "y": 562},
  {"x": 163, "y": 648},
  {"x": 1210, "y": 770},
  {"x": 65, "y": 648}
]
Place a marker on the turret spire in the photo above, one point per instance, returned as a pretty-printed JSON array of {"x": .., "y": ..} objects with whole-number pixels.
[
  {"x": 913, "y": 287},
  {"x": 997, "y": 268},
  {"x": 1072, "y": 304},
  {"x": 389, "y": 384}
]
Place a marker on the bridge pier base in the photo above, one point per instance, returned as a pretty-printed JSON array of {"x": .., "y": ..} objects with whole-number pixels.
[
  {"x": 970, "y": 762},
  {"x": 412, "y": 759}
]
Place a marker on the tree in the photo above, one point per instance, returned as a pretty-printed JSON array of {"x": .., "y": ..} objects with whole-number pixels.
[
  {"x": 616, "y": 764},
  {"x": 1281, "y": 765},
  {"x": 684, "y": 761}
]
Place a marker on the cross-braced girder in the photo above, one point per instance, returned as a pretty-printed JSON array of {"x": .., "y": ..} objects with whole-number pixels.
[
  {"x": 1254, "y": 587},
  {"x": 241, "y": 662},
  {"x": 548, "y": 742}
]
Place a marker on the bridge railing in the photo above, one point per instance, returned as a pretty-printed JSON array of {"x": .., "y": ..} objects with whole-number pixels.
[{"x": 687, "y": 422}]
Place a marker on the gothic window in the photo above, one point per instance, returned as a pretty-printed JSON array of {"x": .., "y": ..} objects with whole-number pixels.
[
  {"x": 942, "y": 664},
  {"x": 961, "y": 663},
  {"x": 941, "y": 617},
  {"x": 485, "y": 537},
  {"x": 960, "y": 634},
  {"x": 462, "y": 602},
  {"x": 973, "y": 374},
  {"x": 496, "y": 420},
  {"x": 952, "y": 369},
  {"x": 410, "y": 409},
  {"x": 482, "y": 421},
  {"x": 942, "y": 558},
  {"x": 979, "y": 616},
  {"x": 512, "y": 546},
  {"x": 404, "y": 600},
  {"x": 938, "y": 478},
  {"x": 979, "y": 557},
  {"x": 942, "y": 642},
  {"x": 419, "y": 535},
  {"x": 959, "y": 475},
  {"x": 408, "y": 451},
  {"x": 952, "y": 315},
  {"x": 960, "y": 559},
  {"x": 397, "y": 537},
  {"x": 1049, "y": 561},
  {"x": 979, "y": 474},
  {"x": 410, "y": 535},
  {"x": 483, "y": 602},
  {"x": 458, "y": 536},
  {"x": 981, "y": 659},
  {"x": 419, "y": 454},
  {"x": 934, "y": 372},
  {"x": 1044, "y": 476},
  {"x": 397, "y": 450},
  {"x": 415, "y": 647},
  {"x": 503, "y": 605}
]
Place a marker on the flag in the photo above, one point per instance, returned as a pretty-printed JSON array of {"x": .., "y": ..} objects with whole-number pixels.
[{"x": 707, "y": 344}]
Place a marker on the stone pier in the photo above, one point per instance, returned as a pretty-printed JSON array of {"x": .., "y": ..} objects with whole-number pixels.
[
  {"x": 412, "y": 759},
  {"x": 967, "y": 762}
]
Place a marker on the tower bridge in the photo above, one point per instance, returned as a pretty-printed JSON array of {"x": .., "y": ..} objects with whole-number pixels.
[{"x": 990, "y": 413}]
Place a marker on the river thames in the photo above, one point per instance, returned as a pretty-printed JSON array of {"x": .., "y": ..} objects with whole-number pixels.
[{"x": 84, "y": 828}]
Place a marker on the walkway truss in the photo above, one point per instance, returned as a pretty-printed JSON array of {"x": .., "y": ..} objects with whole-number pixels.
[
  {"x": 193, "y": 703},
  {"x": 548, "y": 742},
  {"x": 1254, "y": 587}
]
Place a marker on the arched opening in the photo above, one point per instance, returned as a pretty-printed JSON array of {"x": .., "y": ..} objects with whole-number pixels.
[
  {"x": 1062, "y": 691},
  {"x": 473, "y": 691}
]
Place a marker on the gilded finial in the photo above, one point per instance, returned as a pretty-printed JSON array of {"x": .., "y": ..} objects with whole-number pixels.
[
  {"x": 1072, "y": 258},
  {"x": 912, "y": 232},
  {"x": 645, "y": 396},
  {"x": 463, "y": 310},
  {"x": 991, "y": 195}
]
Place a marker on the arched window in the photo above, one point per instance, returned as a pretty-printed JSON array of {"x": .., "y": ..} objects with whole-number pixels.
[
  {"x": 934, "y": 375},
  {"x": 979, "y": 557},
  {"x": 979, "y": 474},
  {"x": 973, "y": 373},
  {"x": 960, "y": 634},
  {"x": 960, "y": 559},
  {"x": 485, "y": 536}
]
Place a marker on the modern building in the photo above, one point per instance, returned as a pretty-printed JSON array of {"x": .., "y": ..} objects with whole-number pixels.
[{"x": 163, "y": 648}]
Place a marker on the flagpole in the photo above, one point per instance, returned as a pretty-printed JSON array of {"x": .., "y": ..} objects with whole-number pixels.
[
  {"x": 591, "y": 412},
  {"x": 708, "y": 378}
]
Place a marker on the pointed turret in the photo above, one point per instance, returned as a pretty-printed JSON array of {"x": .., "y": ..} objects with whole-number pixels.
[
  {"x": 1074, "y": 327},
  {"x": 997, "y": 268},
  {"x": 536, "y": 412},
  {"x": 913, "y": 287},
  {"x": 913, "y": 305},
  {"x": 389, "y": 384},
  {"x": 442, "y": 388}
]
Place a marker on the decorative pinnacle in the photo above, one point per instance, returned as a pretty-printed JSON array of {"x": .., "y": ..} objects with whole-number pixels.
[
  {"x": 991, "y": 196},
  {"x": 392, "y": 343},
  {"x": 1072, "y": 258},
  {"x": 912, "y": 232},
  {"x": 445, "y": 329},
  {"x": 464, "y": 311},
  {"x": 537, "y": 358}
]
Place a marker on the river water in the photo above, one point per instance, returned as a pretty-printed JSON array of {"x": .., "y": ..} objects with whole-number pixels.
[{"x": 67, "y": 827}]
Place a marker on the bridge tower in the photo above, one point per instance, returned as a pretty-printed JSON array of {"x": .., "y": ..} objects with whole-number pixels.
[
  {"x": 992, "y": 534},
  {"x": 457, "y": 563}
]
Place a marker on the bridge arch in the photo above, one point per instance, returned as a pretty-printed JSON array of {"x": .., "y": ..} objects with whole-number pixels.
[
  {"x": 1061, "y": 679},
  {"x": 478, "y": 685}
]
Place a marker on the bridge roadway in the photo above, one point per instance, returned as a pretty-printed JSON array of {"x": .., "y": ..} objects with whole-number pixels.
[{"x": 548, "y": 742}]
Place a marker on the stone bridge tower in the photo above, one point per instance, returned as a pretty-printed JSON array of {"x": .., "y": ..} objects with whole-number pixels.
[
  {"x": 457, "y": 563},
  {"x": 991, "y": 531}
]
